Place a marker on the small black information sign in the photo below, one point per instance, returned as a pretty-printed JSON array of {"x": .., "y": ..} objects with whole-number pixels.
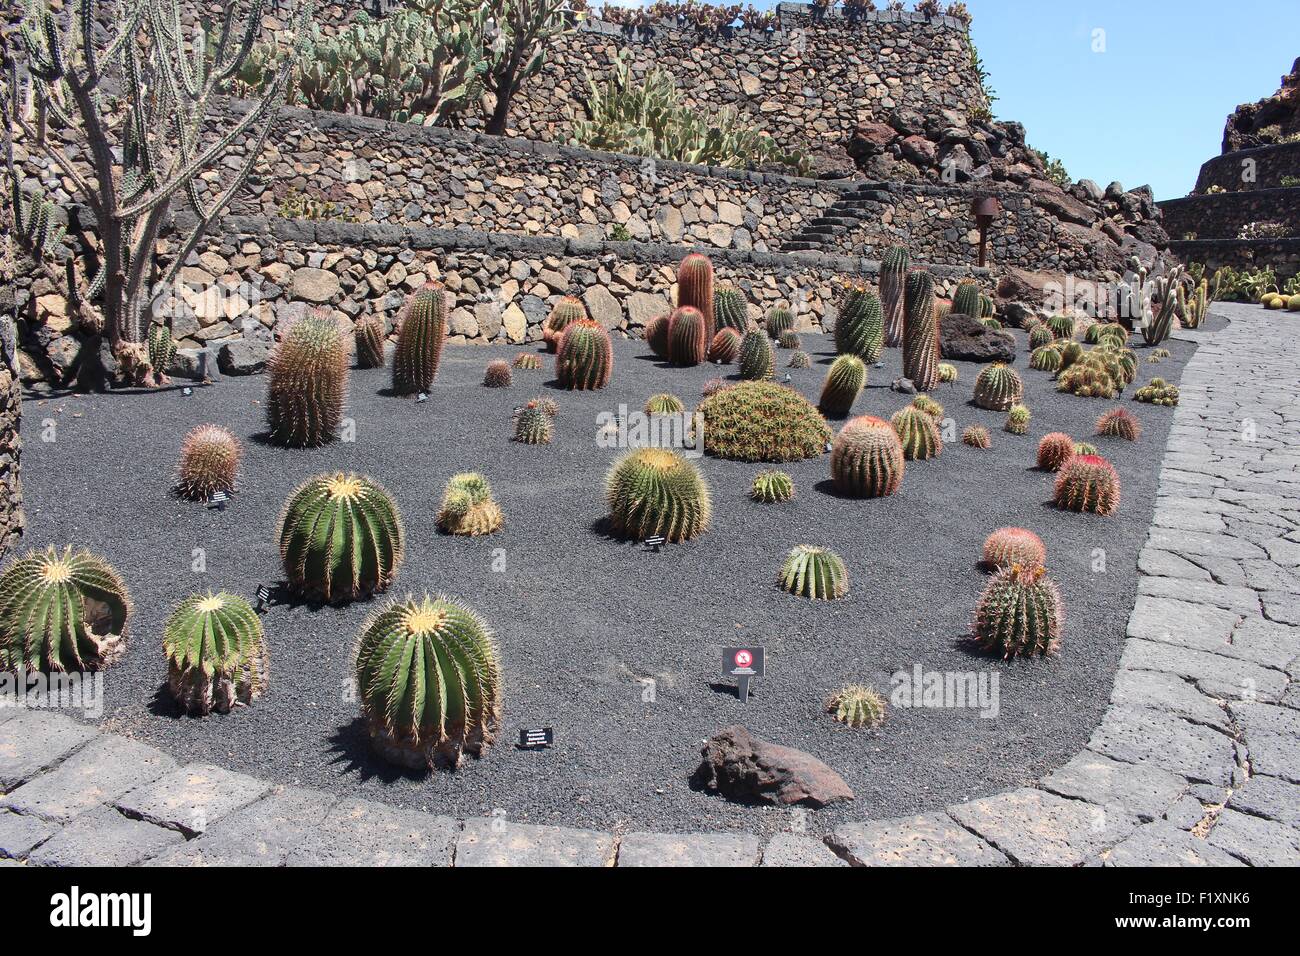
[
  {"x": 743, "y": 663},
  {"x": 263, "y": 597},
  {"x": 536, "y": 738}
]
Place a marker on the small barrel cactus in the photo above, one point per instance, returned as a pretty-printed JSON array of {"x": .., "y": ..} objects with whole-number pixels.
[
  {"x": 1045, "y": 358},
  {"x": 695, "y": 289},
  {"x": 209, "y": 463},
  {"x": 568, "y": 310},
  {"x": 857, "y": 706},
  {"x": 162, "y": 348},
  {"x": 1087, "y": 483},
  {"x": 1119, "y": 423},
  {"x": 942, "y": 309},
  {"x": 894, "y": 265},
  {"x": 771, "y": 487},
  {"x": 586, "y": 357},
  {"x": 991, "y": 323},
  {"x": 947, "y": 373},
  {"x": 1070, "y": 352},
  {"x": 976, "y": 436},
  {"x": 921, "y": 332},
  {"x": 656, "y": 335},
  {"x": 216, "y": 653},
  {"x": 928, "y": 405},
  {"x": 816, "y": 573},
  {"x": 527, "y": 361},
  {"x": 1158, "y": 392},
  {"x": 757, "y": 360},
  {"x": 800, "y": 359},
  {"x": 729, "y": 311},
  {"x": 62, "y": 612},
  {"x": 533, "y": 424},
  {"x": 341, "y": 538},
  {"x": 789, "y": 339},
  {"x": 664, "y": 404},
  {"x": 988, "y": 309},
  {"x": 1008, "y": 546},
  {"x": 1018, "y": 417},
  {"x": 655, "y": 491},
  {"x": 867, "y": 459},
  {"x": 421, "y": 332},
  {"x": 497, "y": 374},
  {"x": 966, "y": 300},
  {"x": 687, "y": 344},
  {"x": 919, "y": 434},
  {"x": 860, "y": 329},
  {"x": 998, "y": 387},
  {"x": 1054, "y": 450},
  {"x": 725, "y": 346},
  {"x": 1020, "y": 614},
  {"x": 308, "y": 383},
  {"x": 845, "y": 380},
  {"x": 779, "y": 319},
  {"x": 1041, "y": 336},
  {"x": 368, "y": 336},
  {"x": 468, "y": 507},
  {"x": 1083, "y": 448},
  {"x": 1061, "y": 326},
  {"x": 428, "y": 676}
]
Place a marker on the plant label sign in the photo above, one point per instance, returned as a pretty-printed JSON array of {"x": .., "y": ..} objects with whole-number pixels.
[
  {"x": 743, "y": 663},
  {"x": 536, "y": 738}
]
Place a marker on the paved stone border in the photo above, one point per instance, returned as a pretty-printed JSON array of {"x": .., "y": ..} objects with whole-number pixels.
[{"x": 1197, "y": 761}]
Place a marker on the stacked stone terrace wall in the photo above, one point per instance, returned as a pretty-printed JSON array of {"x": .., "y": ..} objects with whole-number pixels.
[
  {"x": 1224, "y": 215},
  {"x": 1249, "y": 169}
]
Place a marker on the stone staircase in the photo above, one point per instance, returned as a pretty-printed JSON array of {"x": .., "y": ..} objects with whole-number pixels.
[{"x": 858, "y": 204}]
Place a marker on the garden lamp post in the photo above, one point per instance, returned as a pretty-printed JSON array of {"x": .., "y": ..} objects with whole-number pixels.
[{"x": 986, "y": 209}]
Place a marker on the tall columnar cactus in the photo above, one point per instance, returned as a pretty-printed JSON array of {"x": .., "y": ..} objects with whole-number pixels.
[
  {"x": 966, "y": 300},
  {"x": 1020, "y": 614},
  {"x": 687, "y": 344},
  {"x": 655, "y": 491},
  {"x": 62, "y": 612},
  {"x": 308, "y": 383},
  {"x": 209, "y": 463},
  {"x": 845, "y": 380},
  {"x": 921, "y": 333},
  {"x": 468, "y": 507},
  {"x": 860, "y": 329},
  {"x": 1087, "y": 483},
  {"x": 162, "y": 349},
  {"x": 757, "y": 357},
  {"x": 428, "y": 674},
  {"x": 779, "y": 319},
  {"x": 216, "y": 653},
  {"x": 568, "y": 310},
  {"x": 1008, "y": 546},
  {"x": 1119, "y": 423},
  {"x": 725, "y": 346},
  {"x": 1157, "y": 324},
  {"x": 729, "y": 310},
  {"x": 771, "y": 487},
  {"x": 695, "y": 289},
  {"x": 368, "y": 334},
  {"x": 421, "y": 332},
  {"x": 857, "y": 706},
  {"x": 534, "y": 425},
  {"x": 340, "y": 537},
  {"x": 998, "y": 387},
  {"x": 1054, "y": 450},
  {"x": 815, "y": 573},
  {"x": 893, "y": 281},
  {"x": 867, "y": 459},
  {"x": 919, "y": 434},
  {"x": 656, "y": 335},
  {"x": 586, "y": 357}
]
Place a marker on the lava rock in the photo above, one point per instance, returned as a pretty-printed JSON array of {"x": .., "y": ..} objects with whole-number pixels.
[
  {"x": 746, "y": 769},
  {"x": 904, "y": 385},
  {"x": 243, "y": 357},
  {"x": 965, "y": 339}
]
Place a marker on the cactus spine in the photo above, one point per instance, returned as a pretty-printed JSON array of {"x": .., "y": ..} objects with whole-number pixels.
[
  {"x": 893, "y": 278},
  {"x": 421, "y": 332},
  {"x": 757, "y": 358},
  {"x": 216, "y": 653},
  {"x": 308, "y": 383},
  {"x": 845, "y": 380},
  {"x": 695, "y": 289},
  {"x": 921, "y": 333},
  {"x": 586, "y": 357},
  {"x": 860, "y": 330},
  {"x": 867, "y": 459},
  {"x": 655, "y": 491},
  {"x": 815, "y": 573}
]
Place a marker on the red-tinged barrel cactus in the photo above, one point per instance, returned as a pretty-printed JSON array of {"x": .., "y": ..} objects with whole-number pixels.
[
  {"x": 497, "y": 374},
  {"x": 655, "y": 491},
  {"x": 894, "y": 266},
  {"x": 308, "y": 383},
  {"x": 428, "y": 674},
  {"x": 919, "y": 433},
  {"x": 860, "y": 328},
  {"x": 1088, "y": 483},
  {"x": 1054, "y": 450},
  {"x": 586, "y": 357},
  {"x": 368, "y": 335},
  {"x": 687, "y": 344},
  {"x": 1008, "y": 546},
  {"x": 216, "y": 654},
  {"x": 421, "y": 332},
  {"x": 62, "y": 612},
  {"x": 656, "y": 335},
  {"x": 725, "y": 346},
  {"x": 1119, "y": 423},
  {"x": 729, "y": 309},
  {"x": 998, "y": 387},
  {"x": 695, "y": 289},
  {"x": 845, "y": 380},
  {"x": 867, "y": 459},
  {"x": 1020, "y": 614},
  {"x": 568, "y": 310},
  {"x": 921, "y": 333},
  {"x": 209, "y": 463},
  {"x": 341, "y": 538}
]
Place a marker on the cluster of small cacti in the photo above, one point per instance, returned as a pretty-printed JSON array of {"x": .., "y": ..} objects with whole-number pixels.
[
  {"x": 860, "y": 328},
  {"x": 757, "y": 359},
  {"x": 695, "y": 290},
  {"x": 948, "y": 372},
  {"x": 1020, "y": 613},
  {"x": 1054, "y": 450},
  {"x": 800, "y": 359},
  {"x": 421, "y": 332},
  {"x": 308, "y": 383},
  {"x": 368, "y": 337},
  {"x": 1100, "y": 373},
  {"x": 998, "y": 387},
  {"x": 729, "y": 311},
  {"x": 857, "y": 706},
  {"x": 816, "y": 573},
  {"x": 585, "y": 359},
  {"x": 762, "y": 421},
  {"x": 216, "y": 653},
  {"x": 1061, "y": 326},
  {"x": 535, "y": 422},
  {"x": 920, "y": 332},
  {"x": 771, "y": 487},
  {"x": 468, "y": 507},
  {"x": 1010, "y": 546},
  {"x": 497, "y": 374},
  {"x": 867, "y": 459},
  {"x": 688, "y": 336},
  {"x": 527, "y": 361},
  {"x": 928, "y": 405},
  {"x": 566, "y": 311},
  {"x": 1119, "y": 423},
  {"x": 62, "y": 612},
  {"x": 1018, "y": 417},
  {"x": 894, "y": 265},
  {"x": 209, "y": 463},
  {"x": 1087, "y": 483},
  {"x": 1158, "y": 392},
  {"x": 845, "y": 380},
  {"x": 919, "y": 433},
  {"x": 664, "y": 404},
  {"x": 655, "y": 491},
  {"x": 428, "y": 676},
  {"x": 976, "y": 436},
  {"x": 779, "y": 319},
  {"x": 341, "y": 538},
  {"x": 725, "y": 346},
  {"x": 789, "y": 339}
]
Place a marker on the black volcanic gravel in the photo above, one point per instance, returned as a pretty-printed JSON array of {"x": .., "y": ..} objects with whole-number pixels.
[{"x": 582, "y": 619}]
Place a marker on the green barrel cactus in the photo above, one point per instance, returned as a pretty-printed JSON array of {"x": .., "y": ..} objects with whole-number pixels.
[
  {"x": 1045, "y": 358},
  {"x": 368, "y": 338},
  {"x": 1013, "y": 546},
  {"x": 421, "y": 332},
  {"x": 987, "y": 308},
  {"x": 919, "y": 434},
  {"x": 695, "y": 289},
  {"x": 162, "y": 348},
  {"x": 762, "y": 421},
  {"x": 998, "y": 387},
  {"x": 566, "y": 311},
  {"x": 209, "y": 463},
  {"x": 216, "y": 654},
  {"x": 1018, "y": 417},
  {"x": 533, "y": 424},
  {"x": 341, "y": 538},
  {"x": 1020, "y": 614},
  {"x": 772, "y": 487},
  {"x": 308, "y": 383},
  {"x": 816, "y": 573},
  {"x": 497, "y": 374},
  {"x": 724, "y": 347},
  {"x": 729, "y": 310},
  {"x": 867, "y": 459},
  {"x": 1041, "y": 336},
  {"x": 1083, "y": 448},
  {"x": 687, "y": 341},
  {"x": 527, "y": 362},
  {"x": 779, "y": 319},
  {"x": 62, "y": 612},
  {"x": 757, "y": 358},
  {"x": 664, "y": 404},
  {"x": 1119, "y": 423},
  {"x": 586, "y": 357},
  {"x": 921, "y": 332},
  {"x": 800, "y": 359},
  {"x": 857, "y": 706},
  {"x": 428, "y": 675},
  {"x": 1087, "y": 483},
  {"x": 948, "y": 373},
  {"x": 966, "y": 300},
  {"x": 976, "y": 436},
  {"x": 845, "y": 380},
  {"x": 894, "y": 266},
  {"x": 1061, "y": 326},
  {"x": 789, "y": 339},
  {"x": 1054, "y": 450},
  {"x": 655, "y": 491},
  {"x": 468, "y": 507},
  {"x": 928, "y": 405},
  {"x": 1071, "y": 352},
  {"x": 860, "y": 329}
]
